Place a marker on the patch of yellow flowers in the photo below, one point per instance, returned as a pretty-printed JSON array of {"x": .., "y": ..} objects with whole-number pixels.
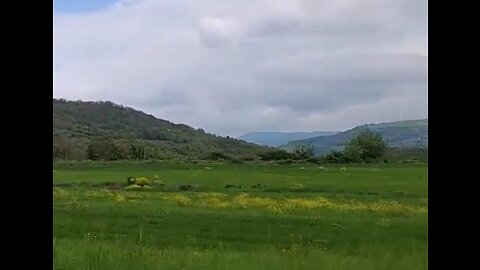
[
  {"x": 66, "y": 195},
  {"x": 177, "y": 199},
  {"x": 244, "y": 200},
  {"x": 106, "y": 194},
  {"x": 281, "y": 205},
  {"x": 71, "y": 197}
]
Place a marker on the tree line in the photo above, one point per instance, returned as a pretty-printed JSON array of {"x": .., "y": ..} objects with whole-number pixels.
[{"x": 366, "y": 147}]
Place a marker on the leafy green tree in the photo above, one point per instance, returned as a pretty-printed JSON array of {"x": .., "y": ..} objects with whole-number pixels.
[
  {"x": 303, "y": 151},
  {"x": 105, "y": 148},
  {"x": 334, "y": 157},
  {"x": 92, "y": 153},
  {"x": 368, "y": 145},
  {"x": 136, "y": 152},
  {"x": 352, "y": 153}
]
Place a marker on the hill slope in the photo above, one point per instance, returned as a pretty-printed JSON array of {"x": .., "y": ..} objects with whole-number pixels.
[
  {"x": 77, "y": 124},
  {"x": 280, "y": 138},
  {"x": 411, "y": 134}
]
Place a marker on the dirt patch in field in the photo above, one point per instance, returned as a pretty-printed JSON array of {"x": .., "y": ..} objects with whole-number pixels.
[
  {"x": 63, "y": 185},
  {"x": 107, "y": 185}
]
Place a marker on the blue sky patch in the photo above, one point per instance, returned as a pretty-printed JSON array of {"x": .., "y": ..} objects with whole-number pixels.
[{"x": 77, "y": 6}]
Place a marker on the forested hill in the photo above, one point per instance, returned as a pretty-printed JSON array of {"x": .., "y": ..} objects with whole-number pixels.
[
  {"x": 405, "y": 134},
  {"x": 104, "y": 130}
]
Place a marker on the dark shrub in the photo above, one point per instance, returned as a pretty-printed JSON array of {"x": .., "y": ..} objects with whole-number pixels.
[
  {"x": 275, "y": 155},
  {"x": 216, "y": 155},
  {"x": 185, "y": 187},
  {"x": 260, "y": 186},
  {"x": 131, "y": 180},
  {"x": 285, "y": 162}
]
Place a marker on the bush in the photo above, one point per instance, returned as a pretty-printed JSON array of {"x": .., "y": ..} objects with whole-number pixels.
[
  {"x": 275, "y": 155},
  {"x": 131, "y": 180},
  {"x": 285, "y": 162},
  {"x": 260, "y": 186},
  {"x": 185, "y": 187},
  {"x": 247, "y": 157},
  {"x": 316, "y": 160},
  {"x": 334, "y": 157},
  {"x": 158, "y": 183},
  {"x": 134, "y": 187},
  {"x": 142, "y": 181},
  {"x": 297, "y": 187},
  {"x": 216, "y": 155}
]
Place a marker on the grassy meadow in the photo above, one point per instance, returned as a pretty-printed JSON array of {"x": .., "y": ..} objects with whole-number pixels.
[{"x": 297, "y": 216}]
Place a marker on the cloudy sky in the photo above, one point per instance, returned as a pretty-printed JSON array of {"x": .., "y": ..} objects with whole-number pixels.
[{"x": 237, "y": 66}]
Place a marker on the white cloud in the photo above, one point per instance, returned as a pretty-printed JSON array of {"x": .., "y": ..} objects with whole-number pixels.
[{"x": 236, "y": 66}]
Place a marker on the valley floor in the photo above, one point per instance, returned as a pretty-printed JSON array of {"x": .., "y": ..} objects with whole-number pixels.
[{"x": 271, "y": 216}]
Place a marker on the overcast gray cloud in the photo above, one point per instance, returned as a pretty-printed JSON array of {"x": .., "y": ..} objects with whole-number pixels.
[{"x": 232, "y": 67}]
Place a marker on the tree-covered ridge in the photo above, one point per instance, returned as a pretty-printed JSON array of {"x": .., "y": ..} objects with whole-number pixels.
[
  {"x": 83, "y": 130},
  {"x": 401, "y": 134}
]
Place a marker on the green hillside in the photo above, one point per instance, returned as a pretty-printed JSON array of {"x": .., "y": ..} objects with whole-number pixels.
[
  {"x": 404, "y": 134},
  {"x": 133, "y": 134}
]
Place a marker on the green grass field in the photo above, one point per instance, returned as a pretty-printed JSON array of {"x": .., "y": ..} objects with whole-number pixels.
[{"x": 306, "y": 216}]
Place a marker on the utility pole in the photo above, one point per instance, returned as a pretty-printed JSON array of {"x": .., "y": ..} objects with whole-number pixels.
[{"x": 66, "y": 152}]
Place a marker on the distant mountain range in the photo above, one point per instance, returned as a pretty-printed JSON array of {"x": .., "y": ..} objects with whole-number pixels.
[
  {"x": 409, "y": 134},
  {"x": 277, "y": 138}
]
